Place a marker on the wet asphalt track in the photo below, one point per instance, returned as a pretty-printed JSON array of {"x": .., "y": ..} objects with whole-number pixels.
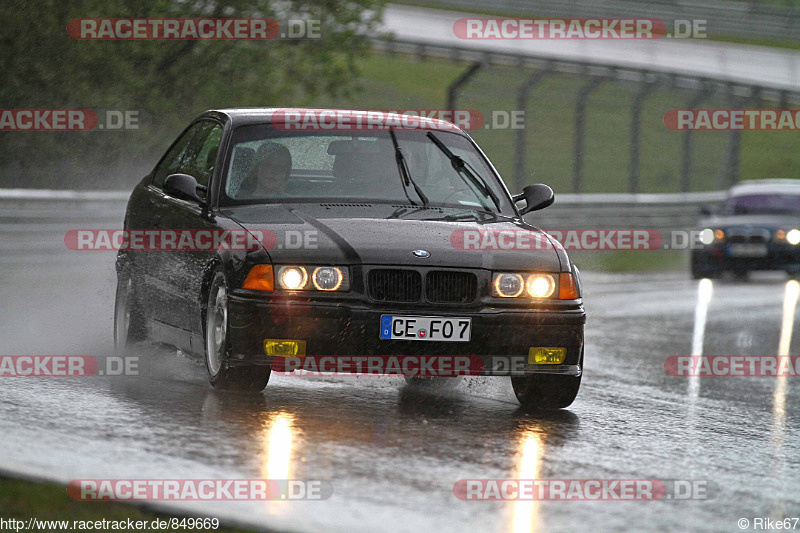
[{"x": 393, "y": 452}]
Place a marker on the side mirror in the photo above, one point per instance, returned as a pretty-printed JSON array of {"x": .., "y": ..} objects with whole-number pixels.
[
  {"x": 706, "y": 210},
  {"x": 185, "y": 187},
  {"x": 536, "y": 197}
]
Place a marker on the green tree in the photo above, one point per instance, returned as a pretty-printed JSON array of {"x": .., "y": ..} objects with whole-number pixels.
[{"x": 169, "y": 82}]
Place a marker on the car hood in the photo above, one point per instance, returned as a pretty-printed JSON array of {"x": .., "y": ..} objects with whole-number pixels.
[
  {"x": 773, "y": 222},
  {"x": 377, "y": 234}
]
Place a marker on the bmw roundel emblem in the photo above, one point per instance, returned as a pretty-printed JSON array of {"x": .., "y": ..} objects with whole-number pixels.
[{"x": 421, "y": 253}]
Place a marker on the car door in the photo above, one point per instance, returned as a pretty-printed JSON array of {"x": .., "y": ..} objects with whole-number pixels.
[{"x": 179, "y": 273}]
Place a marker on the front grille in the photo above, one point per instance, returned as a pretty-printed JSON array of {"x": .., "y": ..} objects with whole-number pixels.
[
  {"x": 390, "y": 285},
  {"x": 748, "y": 236},
  {"x": 443, "y": 286}
]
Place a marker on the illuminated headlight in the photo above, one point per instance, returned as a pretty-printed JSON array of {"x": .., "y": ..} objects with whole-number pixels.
[
  {"x": 793, "y": 237},
  {"x": 322, "y": 278},
  {"x": 508, "y": 285},
  {"x": 531, "y": 285},
  {"x": 293, "y": 278},
  {"x": 327, "y": 278},
  {"x": 540, "y": 285}
]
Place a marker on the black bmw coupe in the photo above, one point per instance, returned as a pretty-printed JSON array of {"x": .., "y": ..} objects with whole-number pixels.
[
  {"x": 757, "y": 227},
  {"x": 266, "y": 234}
]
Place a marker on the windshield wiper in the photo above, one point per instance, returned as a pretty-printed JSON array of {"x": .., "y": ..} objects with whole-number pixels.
[
  {"x": 465, "y": 170},
  {"x": 405, "y": 175}
]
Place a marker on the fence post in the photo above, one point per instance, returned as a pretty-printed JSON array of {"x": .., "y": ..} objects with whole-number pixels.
[
  {"x": 580, "y": 120},
  {"x": 452, "y": 90},
  {"x": 686, "y": 164},
  {"x": 522, "y": 105},
  {"x": 636, "y": 129}
]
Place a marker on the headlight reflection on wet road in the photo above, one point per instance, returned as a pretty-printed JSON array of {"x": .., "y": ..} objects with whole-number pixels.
[{"x": 525, "y": 512}]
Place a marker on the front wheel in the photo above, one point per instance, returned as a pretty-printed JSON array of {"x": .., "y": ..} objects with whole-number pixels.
[
  {"x": 129, "y": 322},
  {"x": 221, "y": 374},
  {"x": 546, "y": 391}
]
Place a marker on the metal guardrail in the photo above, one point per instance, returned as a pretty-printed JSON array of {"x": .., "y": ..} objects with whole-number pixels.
[
  {"x": 725, "y": 17},
  {"x": 33, "y": 223},
  {"x": 698, "y": 89}
]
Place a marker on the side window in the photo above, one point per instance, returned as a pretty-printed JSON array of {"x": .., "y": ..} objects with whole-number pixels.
[
  {"x": 202, "y": 153},
  {"x": 172, "y": 162}
]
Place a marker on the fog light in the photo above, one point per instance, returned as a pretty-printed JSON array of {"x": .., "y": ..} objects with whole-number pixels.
[
  {"x": 293, "y": 278},
  {"x": 546, "y": 356},
  {"x": 284, "y": 348}
]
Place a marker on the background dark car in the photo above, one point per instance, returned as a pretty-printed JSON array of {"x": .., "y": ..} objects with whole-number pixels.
[
  {"x": 376, "y": 213},
  {"x": 756, "y": 228}
]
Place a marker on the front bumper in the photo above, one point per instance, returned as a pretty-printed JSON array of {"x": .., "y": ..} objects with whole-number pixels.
[
  {"x": 352, "y": 329},
  {"x": 717, "y": 257}
]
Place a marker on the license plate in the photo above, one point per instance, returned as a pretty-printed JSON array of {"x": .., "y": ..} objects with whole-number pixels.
[
  {"x": 426, "y": 328},
  {"x": 747, "y": 250}
]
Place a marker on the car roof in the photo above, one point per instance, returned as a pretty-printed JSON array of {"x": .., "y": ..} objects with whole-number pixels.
[
  {"x": 771, "y": 186},
  {"x": 240, "y": 116}
]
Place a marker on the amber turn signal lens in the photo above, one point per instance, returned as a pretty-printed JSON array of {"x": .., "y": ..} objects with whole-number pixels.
[
  {"x": 260, "y": 278},
  {"x": 566, "y": 287}
]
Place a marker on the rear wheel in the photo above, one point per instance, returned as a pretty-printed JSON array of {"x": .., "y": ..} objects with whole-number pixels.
[
  {"x": 129, "y": 322},
  {"x": 221, "y": 374},
  {"x": 701, "y": 269}
]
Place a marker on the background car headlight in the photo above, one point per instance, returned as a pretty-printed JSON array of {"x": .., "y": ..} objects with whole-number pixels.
[
  {"x": 710, "y": 236},
  {"x": 540, "y": 285},
  {"x": 706, "y": 236},
  {"x": 793, "y": 237},
  {"x": 293, "y": 278},
  {"x": 327, "y": 278}
]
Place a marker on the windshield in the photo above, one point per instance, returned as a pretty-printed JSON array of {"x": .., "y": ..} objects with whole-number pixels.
[
  {"x": 267, "y": 165},
  {"x": 761, "y": 204}
]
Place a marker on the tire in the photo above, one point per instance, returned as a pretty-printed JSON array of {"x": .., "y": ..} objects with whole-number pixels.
[
  {"x": 220, "y": 373},
  {"x": 702, "y": 270},
  {"x": 129, "y": 321},
  {"x": 546, "y": 391}
]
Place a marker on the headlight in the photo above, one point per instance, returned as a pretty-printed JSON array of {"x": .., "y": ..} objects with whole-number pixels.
[
  {"x": 293, "y": 278},
  {"x": 327, "y": 278},
  {"x": 322, "y": 278},
  {"x": 709, "y": 236},
  {"x": 540, "y": 285},
  {"x": 534, "y": 285},
  {"x": 508, "y": 285},
  {"x": 793, "y": 237}
]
